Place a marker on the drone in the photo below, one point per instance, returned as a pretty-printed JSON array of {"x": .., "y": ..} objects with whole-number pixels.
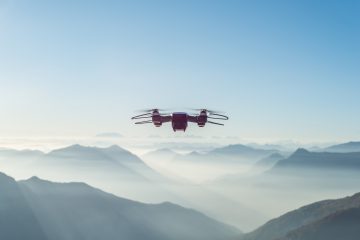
[{"x": 179, "y": 120}]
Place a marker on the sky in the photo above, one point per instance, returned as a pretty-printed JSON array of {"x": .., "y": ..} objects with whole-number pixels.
[{"x": 279, "y": 69}]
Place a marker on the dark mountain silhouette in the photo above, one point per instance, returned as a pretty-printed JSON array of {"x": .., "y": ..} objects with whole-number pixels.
[
  {"x": 38, "y": 209},
  {"x": 310, "y": 214},
  {"x": 344, "y": 225},
  {"x": 17, "y": 220},
  {"x": 344, "y": 147}
]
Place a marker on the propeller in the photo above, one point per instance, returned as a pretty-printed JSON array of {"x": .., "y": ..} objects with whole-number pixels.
[
  {"x": 207, "y": 110},
  {"x": 148, "y": 113},
  {"x": 144, "y": 122},
  {"x": 219, "y": 116},
  {"x": 151, "y": 110},
  {"x": 215, "y": 123},
  {"x": 212, "y": 113},
  {"x": 141, "y": 116}
]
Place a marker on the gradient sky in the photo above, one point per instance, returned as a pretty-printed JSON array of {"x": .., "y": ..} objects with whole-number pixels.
[{"x": 280, "y": 69}]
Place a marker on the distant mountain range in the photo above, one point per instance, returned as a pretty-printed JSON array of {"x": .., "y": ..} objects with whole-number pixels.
[
  {"x": 324, "y": 220},
  {"x": 12, "y": 153},
  {"x": 245, "y": 153},
  {"x": 315, "y": 160},
  {"x": 84, "y": 158},
  {"x": 239, "y": 151},
  {"x": 113, "y": 154},
  {"x": 231, "y": 154},
  {"x": 36, "y": 209},
  {"x": 344, "y": 147}
]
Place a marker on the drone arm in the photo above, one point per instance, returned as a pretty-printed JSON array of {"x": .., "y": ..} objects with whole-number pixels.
[
  {"x": 193, "y": 119},
  {"x": 166, "y": 118}
]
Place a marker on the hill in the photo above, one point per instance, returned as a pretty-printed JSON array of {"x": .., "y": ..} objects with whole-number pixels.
[
  {"x": 302, "y": 158},
  {"x": 301, "y": 217},
  {"x": 343, "y": 225},
  {"x": 344, "y": 147},
  {"x": 17, "y": 220},
  {"x": 38, "y": 209}
]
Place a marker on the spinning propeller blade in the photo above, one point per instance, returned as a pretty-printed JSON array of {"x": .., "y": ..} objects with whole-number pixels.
[
  {"x": 215, "y": 123},
  {"x": 144, "y": 122},
  {"x": 141, "y": 116},
  {"x": 207, "y": 110},
  {"x": 219, "y": 116},
  {"x": 152, "y": 110}
]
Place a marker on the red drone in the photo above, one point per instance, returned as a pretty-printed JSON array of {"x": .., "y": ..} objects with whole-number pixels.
[{"x": 179, "y": 120}]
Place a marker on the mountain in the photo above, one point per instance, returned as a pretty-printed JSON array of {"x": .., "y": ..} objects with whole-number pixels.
[
  {"x": 344, "y": 147},
  {"x": 161, "y": 154},
  {"x": 85, "y": 153},
  {"x": 237, "y": 153},
  {"x": 114, "y": 156},
  {"x": 267, "y": 162},
  {"x": 12, "y": 153},
  {"x": 327, "y": 212},
  {"x": 38, "y": 209},
  {"x": 113, "y": 169},
  {"x": 242, "y": 150},
  {"x": 17, "y": 220},
  {"x": 344, "y": 225},
  {"x": 302, "y": 158},
  {"x": 270, "y": 147}
]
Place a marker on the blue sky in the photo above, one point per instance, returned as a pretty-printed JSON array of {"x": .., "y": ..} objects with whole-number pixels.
[{"x": 280, "y": 69}]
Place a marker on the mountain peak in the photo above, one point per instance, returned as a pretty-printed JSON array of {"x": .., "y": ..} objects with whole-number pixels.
[
  {"x": 301, "y": 151},
  {"x": 72, "y": 147},
  {"x": 36, "y": 180},
  {"x": 115, "y": 147},
  {"x": 66, "y": 203},
  {"x": 77, "y": 148}
]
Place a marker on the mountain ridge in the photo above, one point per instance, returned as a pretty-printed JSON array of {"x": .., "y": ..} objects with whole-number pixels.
[
  {"x": 80, "y": 209},
  {"x": 291, "y": 221}
]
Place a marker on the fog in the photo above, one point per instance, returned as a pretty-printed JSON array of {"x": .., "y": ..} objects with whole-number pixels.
[{"x": 232, "y": 187}]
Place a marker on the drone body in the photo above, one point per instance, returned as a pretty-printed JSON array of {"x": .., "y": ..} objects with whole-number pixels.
[{"x": 179, "y": 120}]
